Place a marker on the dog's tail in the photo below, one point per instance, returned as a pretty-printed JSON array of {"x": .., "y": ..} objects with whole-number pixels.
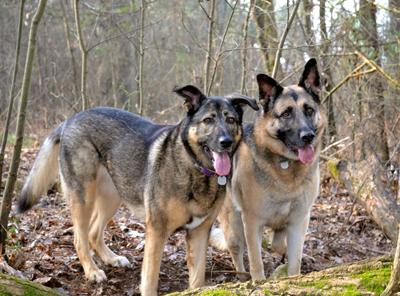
[
  {"x": 43, "y": 172},
  {"x": 217, "y": 239}
]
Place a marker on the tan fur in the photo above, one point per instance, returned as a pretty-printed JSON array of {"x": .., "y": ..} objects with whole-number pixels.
[{"x": 262, "y": 193}]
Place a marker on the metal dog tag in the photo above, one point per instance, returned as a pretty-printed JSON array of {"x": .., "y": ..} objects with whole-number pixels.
[
  {"x": 221, "y": 180},
  {"x": 285, "y": 164}
]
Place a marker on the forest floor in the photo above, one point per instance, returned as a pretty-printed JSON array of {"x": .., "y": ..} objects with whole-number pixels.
[{"x": 44, "y": 237}]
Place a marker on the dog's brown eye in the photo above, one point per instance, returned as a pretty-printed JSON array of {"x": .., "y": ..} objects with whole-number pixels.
[
  {"x": 207, "y": 120},
  {"x": 231, "y": 120},
  {"x": 309, "y": 111},
  {"x": 286, "y": 114}
]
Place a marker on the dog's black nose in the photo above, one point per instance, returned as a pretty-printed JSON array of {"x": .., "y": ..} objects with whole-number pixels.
[
  {"x": 307, "y": 137},
  {"x": 225, "y": 142}
]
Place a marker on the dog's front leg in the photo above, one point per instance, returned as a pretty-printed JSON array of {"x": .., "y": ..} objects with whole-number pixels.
[
  {"x": 196, "y": 249},
  {"x": 253, "y": 231},
  {"x": 296, "y": 233},
  {"x": 156, "y": 239}
]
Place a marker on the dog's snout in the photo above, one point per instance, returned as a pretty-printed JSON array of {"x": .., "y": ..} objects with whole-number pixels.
[
  {"x": 225, "y": 142},
  {"x": 307, "y": 137}
]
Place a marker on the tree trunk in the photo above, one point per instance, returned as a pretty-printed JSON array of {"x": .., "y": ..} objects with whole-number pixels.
[
  {"x": 259, "y": 20},
  {"x": 364, "y": 182},
  {"x": 244, "y": 51},
  {"x": 209, "y": 46},
  {"x": 12, "y": 175},
  {"x": 141, "y": 59},
  {"x": 84, "y": 53},
  {"x": 12, "y": 91},
  {"x": 13, "y": 286},
  {"x": 71, "y": 52},
  {"x": 376, "y": 103},
  {"x": 327, "y": 74},
  {"x": 367, "y": 277}
]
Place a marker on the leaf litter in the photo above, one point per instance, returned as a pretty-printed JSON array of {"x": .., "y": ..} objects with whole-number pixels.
[{"x": 40, "y": 243}]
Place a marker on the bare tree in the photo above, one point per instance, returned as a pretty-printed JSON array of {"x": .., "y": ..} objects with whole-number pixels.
[
  {"x": 84, "y": 53},
  {"x": 12, "y": 175},
  {"x": 12, "y": 91}
]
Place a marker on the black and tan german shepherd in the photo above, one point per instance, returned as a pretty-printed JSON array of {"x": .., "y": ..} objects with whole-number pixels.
[
  {"x": 275, "y": 174},
  {"x": 171, "y": 176}
]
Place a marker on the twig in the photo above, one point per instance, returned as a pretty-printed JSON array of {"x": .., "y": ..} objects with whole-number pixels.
[
  {"x": 283, "y": 38},
  {"x": 335, "y": 144},
  {"x": 190, "y": 34},
  {"x": 379, "y": 69},
  {"x": 220, "y": 48},
  {"x": 343, "y": 81},
  {"x": 384, "y": 8}
]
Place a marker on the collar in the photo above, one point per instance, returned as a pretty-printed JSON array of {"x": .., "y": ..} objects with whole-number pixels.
[{"x": 205, "y": 171}]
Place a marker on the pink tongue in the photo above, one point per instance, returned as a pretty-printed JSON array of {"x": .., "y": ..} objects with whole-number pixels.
[
  {"x": 306, "y": 153},
  {"x": 222, "y": 163}
]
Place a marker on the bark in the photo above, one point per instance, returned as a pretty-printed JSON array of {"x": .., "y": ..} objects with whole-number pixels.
[
  {"x": 12, "y": 91},
  {"x": 259, "y": 20},
  {"x": 84, "y": 53},
  {"x": 71, "y": 51},
  {"x": 364, "y": 181},
  {"x": 141, "y": 59},
  {"x": 209, "y": 46},
  {"x": 393, "y": 285},
  {"x": 327, "y": 74},
  {"x": 376, "y": 103},
  {"x": 13, "y": 286},
  {"x": 244, "y": 51},
  {"x": 283, "y": 38},
  {"x": 12, "y": 175},
  {"x": 365, "y": 277}
]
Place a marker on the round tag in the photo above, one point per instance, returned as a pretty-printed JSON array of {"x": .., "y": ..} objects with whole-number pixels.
[{"x": 221, "y": 180}]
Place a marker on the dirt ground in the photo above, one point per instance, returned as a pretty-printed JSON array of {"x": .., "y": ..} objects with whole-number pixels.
[{"x": 43, "y": 239}]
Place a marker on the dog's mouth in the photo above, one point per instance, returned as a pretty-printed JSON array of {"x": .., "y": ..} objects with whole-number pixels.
[
  {"x": 221, "y": 161},
  {"x": 305, "y": 153}
]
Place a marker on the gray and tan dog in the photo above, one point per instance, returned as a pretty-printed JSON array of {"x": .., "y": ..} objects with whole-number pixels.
[
  {"x": 275, "y": 174},
  {"x": 171, "y": 176}
]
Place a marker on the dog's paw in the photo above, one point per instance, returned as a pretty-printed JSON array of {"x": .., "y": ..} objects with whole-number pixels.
[
  {"x": 120, "y": 261},
  {"x": 97, "y": 276}
]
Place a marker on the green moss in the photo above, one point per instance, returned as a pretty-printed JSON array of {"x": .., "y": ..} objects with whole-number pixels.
[
  {"x": 351, "y": 290},
  {"x": 219, "y": 293},
  {"x": 332, "y": 169},
  {"x": 375, "y": 280}
]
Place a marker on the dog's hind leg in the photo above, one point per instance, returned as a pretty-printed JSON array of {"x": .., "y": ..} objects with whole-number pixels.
[
  {"x": 106, "y": 204},
  {"x": 81, "y": 211},
  {"x": 279, "y": 241}
]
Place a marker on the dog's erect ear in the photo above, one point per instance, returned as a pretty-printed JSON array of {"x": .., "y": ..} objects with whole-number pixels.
[
  {"x": 269, "y": 88},
  {"x": 192, "y": 95},
  {"x": 242, "y": 100},
  {"x": 310, "y": 80}
]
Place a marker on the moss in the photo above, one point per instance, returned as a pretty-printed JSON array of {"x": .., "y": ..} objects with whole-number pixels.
[
  {"x": 219, "y": 293},
  {"x": 332, "y": 169},
  {"x": 351, "y": 290},
  {"x": 375, "y": 280}
]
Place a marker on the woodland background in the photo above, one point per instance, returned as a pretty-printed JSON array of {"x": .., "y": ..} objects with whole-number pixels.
[{"x": 137, "y": 51}]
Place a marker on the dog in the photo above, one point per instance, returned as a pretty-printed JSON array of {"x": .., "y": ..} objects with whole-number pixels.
[
  {"x": 171, "y": 176},
  {"x": 275, "y": 174}
]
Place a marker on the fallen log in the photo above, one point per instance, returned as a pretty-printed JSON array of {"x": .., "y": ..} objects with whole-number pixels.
[{"x": 367, "y": 277}]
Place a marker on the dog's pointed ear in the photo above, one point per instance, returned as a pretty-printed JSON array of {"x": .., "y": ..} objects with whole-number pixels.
[
  {"x": 242, "y": 100},
  {"x": 310, "y": 80},
  {"x": 269, "y": 89},
  {"x": 192, "y": 95}
]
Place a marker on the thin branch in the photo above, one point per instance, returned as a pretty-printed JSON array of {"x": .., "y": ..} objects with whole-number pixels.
[
  {"x": 342, "y": 82},
  {"x": 220, "y": 47},
  {"x": 283, "y": 38},
  {"x": 194, "y": 40},
  {"x": 383, "y": 7}
]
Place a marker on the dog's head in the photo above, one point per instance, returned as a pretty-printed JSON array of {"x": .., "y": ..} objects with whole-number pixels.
[
  {"x": 290, "y": 122},
  {"x": 213, "y": 126}
]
